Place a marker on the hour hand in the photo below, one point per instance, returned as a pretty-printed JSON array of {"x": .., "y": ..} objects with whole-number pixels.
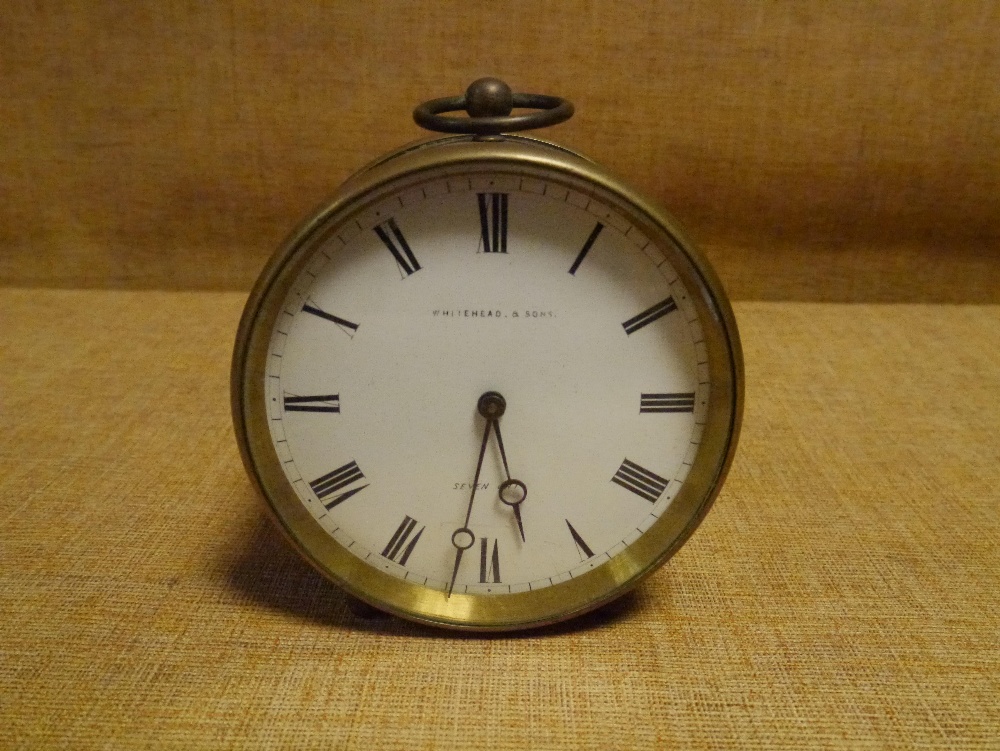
[{"x": 513, "y": 493}]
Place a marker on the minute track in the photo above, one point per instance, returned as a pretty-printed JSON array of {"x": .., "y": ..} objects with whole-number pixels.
[{"x": 596, "y": 234}]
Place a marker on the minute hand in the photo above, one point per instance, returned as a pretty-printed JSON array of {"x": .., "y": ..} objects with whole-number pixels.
[
  {"x": 491, "y": 405},
  {"x": 479, "y": 469}
]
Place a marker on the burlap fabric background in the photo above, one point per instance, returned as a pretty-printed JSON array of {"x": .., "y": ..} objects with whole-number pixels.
[
  {"x": 838, "y": 162},
  {"x": 173, "y": 144}
]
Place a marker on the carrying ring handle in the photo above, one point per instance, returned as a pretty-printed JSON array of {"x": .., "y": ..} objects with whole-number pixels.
[{"x": 489, "y": 102}]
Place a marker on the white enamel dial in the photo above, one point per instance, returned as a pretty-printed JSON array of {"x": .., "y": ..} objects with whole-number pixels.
[{"x": 404, "y": 316}]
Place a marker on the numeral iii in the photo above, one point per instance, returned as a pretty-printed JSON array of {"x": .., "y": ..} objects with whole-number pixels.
[{"x": 667, "y": 402}]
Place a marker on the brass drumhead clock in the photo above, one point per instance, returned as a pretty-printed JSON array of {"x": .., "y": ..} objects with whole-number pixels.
[{"x": 488, "y": 386}]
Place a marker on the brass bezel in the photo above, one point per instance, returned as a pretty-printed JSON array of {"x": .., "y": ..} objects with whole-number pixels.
[{"x": 445, "y": 158}]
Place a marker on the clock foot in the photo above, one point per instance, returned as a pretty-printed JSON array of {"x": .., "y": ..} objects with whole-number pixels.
[{"x": 364, "y": 611}]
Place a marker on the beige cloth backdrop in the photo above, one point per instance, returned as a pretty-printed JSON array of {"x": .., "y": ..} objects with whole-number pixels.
[
  {"x": 818, "y": 150},
  {"x": 838, "y": 162}
]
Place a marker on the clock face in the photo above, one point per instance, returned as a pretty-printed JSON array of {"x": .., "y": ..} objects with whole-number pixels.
[{"x": 485, "y": 385}]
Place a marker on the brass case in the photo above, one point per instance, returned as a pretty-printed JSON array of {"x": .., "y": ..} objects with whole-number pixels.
[{"x": 449, "y": 157}]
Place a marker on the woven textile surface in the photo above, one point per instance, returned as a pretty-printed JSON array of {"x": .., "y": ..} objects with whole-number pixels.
[
  {"x": 843, "y": 593},
  {"x": 173, "y": 144}
]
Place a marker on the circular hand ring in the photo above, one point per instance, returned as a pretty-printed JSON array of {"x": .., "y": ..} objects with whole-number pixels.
[
  {"x": 463, "y": 538},
  {"x": 489, "y": 102},
  {"x": 513, "y": 484}
]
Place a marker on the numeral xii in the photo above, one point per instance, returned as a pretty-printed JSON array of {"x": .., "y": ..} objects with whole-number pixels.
[{"x": 493, "y": 221}]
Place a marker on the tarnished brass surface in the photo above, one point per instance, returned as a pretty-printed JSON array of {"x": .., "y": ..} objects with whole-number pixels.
[
  {"x": 489, "y": 102},
  {"x": 452, "y": 157}
]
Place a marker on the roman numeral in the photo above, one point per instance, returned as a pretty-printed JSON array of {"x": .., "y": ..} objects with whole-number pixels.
[
  {"x": 489, "y": 566},
  {"x": 667, "y": 402},
  {"x": 388, "y": 232},
  {"x": 395, "y": 551},
  {"x": 648, "y": 316},
  {"x": 580, "y": 544},
  {"x": 586, "y": 248},
  {"x": 493, "y": 221},
  {"x": 324, "y": 403},
  {"x": 339, "y": 479},
  {"x": 346, "y": 326},
  {"x": 640, "y": 481}
]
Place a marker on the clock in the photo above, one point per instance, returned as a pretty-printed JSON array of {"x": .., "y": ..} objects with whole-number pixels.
[{"x": 487, "y": 386}]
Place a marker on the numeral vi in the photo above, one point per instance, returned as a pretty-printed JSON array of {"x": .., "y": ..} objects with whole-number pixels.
[{"x": 489, "y": 564}]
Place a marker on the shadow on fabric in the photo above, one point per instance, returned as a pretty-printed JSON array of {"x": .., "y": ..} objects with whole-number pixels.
[{"x": 269, "y": 572}]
